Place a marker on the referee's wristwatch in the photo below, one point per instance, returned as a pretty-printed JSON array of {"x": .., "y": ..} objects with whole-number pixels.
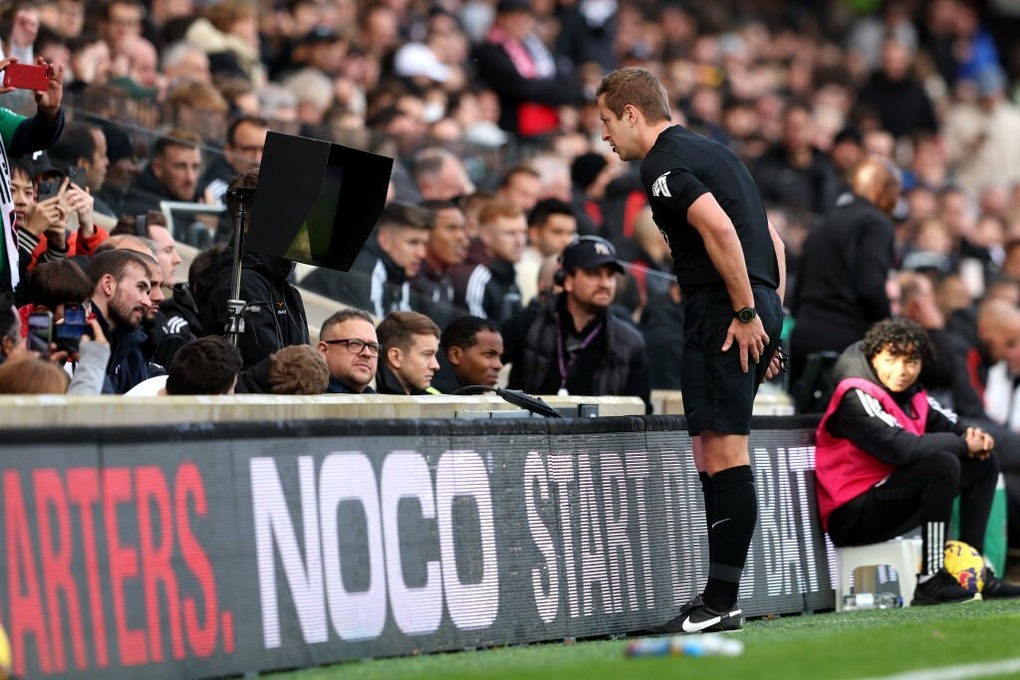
[{"x": 746, "y": 315}]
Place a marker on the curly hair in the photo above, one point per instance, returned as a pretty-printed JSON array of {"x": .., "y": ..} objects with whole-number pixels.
[{"x": 901, "y": 337}]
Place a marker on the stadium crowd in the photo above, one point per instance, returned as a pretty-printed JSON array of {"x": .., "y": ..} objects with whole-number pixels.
[{"x": 882, "y": 134}]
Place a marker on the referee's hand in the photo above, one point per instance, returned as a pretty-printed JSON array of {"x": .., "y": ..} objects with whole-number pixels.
[{"x": 750, "y": 338}]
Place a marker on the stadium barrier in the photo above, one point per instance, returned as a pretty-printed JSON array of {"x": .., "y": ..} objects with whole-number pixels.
[{"x": 196, "y": 550}]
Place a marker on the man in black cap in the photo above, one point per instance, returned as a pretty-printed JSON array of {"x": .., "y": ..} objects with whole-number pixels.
[{"x": 574, "y": 343}]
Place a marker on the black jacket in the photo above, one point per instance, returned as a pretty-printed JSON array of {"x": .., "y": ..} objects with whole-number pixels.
[
  {"x": 129, "y": 364},
  {"x": 840, "y": 289},
  {"x": 486, "y": 286},
  {"x": 613, "y": 363},
  {"x": 337, "y": 387},
  {"x": 861, "y": 419},
  {"x": 145, "y": 194},
  {"x": 274, "y": 315},
  {"x": 812, "y": 188},
  {"x": 374, "y": 283}
]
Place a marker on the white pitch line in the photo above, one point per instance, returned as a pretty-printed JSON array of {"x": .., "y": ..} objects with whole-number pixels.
[{"x": 962, "y": 672}]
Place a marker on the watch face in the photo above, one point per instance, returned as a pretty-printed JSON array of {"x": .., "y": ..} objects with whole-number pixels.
[{"x": 746, "y": 314}]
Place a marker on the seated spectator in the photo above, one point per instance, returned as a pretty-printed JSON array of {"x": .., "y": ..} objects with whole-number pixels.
[
  {"x": 348, "y": 343},
  {"x": 486, "y": 285},
  {"x": 439, "y": 175},
  {"x": 28, "y": 375},
  {"x": 208, "y": 365},
  {"x": 410, "y": 344},
  {"x": 889, "y": 459},
  {"x": 120, "y": 301},
  {"x": 12, "y": 342},
  {"x": 298, "y": 369},
  {"x": 42, "y": 225},
  {"x": 172, "y": 173},
  {"x": 447, "y": 248},
  {"x": 574, "y": 344},
  {"x": 471, "y": 350},
  {"x": 378, "y": 281},
  {"x": 246, "y": 141},
  {"x": 83, "y": 146},
  {"x": 552, "y": 225}
]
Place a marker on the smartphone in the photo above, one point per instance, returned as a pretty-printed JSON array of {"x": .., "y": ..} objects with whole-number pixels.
[
  {"x": 40, "y": 332},
  {"x": 47, "y": 189},
  {"x": 67, "y": 335},
  {"x": 27, "y": 77},
  {"x": 77, "y": 176}
]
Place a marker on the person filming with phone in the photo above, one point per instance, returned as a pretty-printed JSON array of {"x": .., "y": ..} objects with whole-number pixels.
[{"x": 19, "y": 136}]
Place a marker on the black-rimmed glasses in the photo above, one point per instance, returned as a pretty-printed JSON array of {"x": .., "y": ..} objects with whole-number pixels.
[{"x": 355, "y": 346}]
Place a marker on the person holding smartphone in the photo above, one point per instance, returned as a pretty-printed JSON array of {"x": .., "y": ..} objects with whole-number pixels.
[{"x": 20, "y": 135}]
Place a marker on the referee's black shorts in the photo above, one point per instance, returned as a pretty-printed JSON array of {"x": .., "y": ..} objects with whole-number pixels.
[{"x": 717, "y": 394}]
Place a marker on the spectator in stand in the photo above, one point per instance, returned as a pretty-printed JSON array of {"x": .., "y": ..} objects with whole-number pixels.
[
  {"x": 20, "y": 136},
  {"x": 410, "y": 345},
  {"x": 379, "y": 280},
  {"x": 471, "y": 350},
  {"x": 844, "y": 265},
  {"x": 440, "y": 175},
  {"x": 794, "y": 173},
  {"x": 573, "y": 343},
  {"x": 83, "y": 146},
  {"x": 590, "y": 174},
  {"x": 552, "y": 225},
  {"x": 246, "y": 141},
  {"x": 889, "y": 459},
  {"x": 516, "y": 64},
  {"x": 119, "y": 19},
  {"x": 172, "y": 173},
  {"x": 297, "y": 369},
  {"x": 981, "y": 135},
  {"x": 275, "y": 314},
  {"x": 208, "y": 365},
  {"x": 348, "y": 343},
  {"x": 184, "y": 62},
  {"x": 43, "y": 233},
  {"x": 28, "y": 375},
  {"x": 122, "y": 170},
  {"x": 486, "y": 285},
  {"x": 447, "y": 248},
  {"x": 120, "y": 301},
  {"x": 896, "y": 94},
  {"x": 521, "y": 186}
]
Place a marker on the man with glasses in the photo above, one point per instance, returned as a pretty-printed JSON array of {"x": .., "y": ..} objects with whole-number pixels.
[{"x": 348, "y": 343}]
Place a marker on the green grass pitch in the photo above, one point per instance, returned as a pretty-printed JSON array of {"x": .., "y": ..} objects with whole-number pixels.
[{"x": 849, "y": 645}]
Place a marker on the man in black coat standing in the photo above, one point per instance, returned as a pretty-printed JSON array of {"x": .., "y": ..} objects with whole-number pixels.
[{"x": 844, "y": 265}]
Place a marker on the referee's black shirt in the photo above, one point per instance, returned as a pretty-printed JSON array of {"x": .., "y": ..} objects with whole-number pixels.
[{"x": 679, "y": 168}]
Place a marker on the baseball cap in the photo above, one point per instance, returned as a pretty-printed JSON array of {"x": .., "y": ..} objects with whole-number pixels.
[{"x": 590, "y": 252}]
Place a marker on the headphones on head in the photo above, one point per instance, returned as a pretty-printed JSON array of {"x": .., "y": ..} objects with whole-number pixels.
[{"x": 561, "y": 274}]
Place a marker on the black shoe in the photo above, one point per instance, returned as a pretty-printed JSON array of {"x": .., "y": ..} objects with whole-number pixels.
[
  {"x": 698, "y": 617},
  {"x": 995, "y": 587},
  {"x": 731, "y": 624},
  {"x": 942, "y": 588}
]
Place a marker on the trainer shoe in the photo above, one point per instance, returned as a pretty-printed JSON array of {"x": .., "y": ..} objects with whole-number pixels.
[
  {"x": 731, "y": 624},
  {"x": 996, "y": 587},
  {"x": 942, "y": 588},
  {"x": 698, "y": 617}
]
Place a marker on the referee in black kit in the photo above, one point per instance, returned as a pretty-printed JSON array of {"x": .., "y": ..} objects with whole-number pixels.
[{"x": 730, "y": 264}]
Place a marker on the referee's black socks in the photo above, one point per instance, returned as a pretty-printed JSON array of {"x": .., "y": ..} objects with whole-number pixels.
[{"x": 731, "y": 525}]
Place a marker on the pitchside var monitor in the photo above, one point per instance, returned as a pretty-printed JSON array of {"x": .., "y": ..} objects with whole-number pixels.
[{"x": 316, "y": 202}]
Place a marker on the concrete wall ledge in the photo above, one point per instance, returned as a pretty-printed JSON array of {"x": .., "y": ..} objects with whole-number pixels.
[{"x": 115, "y": 411}]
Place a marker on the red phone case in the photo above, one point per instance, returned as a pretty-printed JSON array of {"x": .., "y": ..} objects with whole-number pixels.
[{"x": 27, "y": 77}]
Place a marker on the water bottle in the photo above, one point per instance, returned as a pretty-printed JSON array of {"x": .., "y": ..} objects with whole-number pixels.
[
  {"x": 871, "y": 601},
  {"x": 686, "y": 645}
]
